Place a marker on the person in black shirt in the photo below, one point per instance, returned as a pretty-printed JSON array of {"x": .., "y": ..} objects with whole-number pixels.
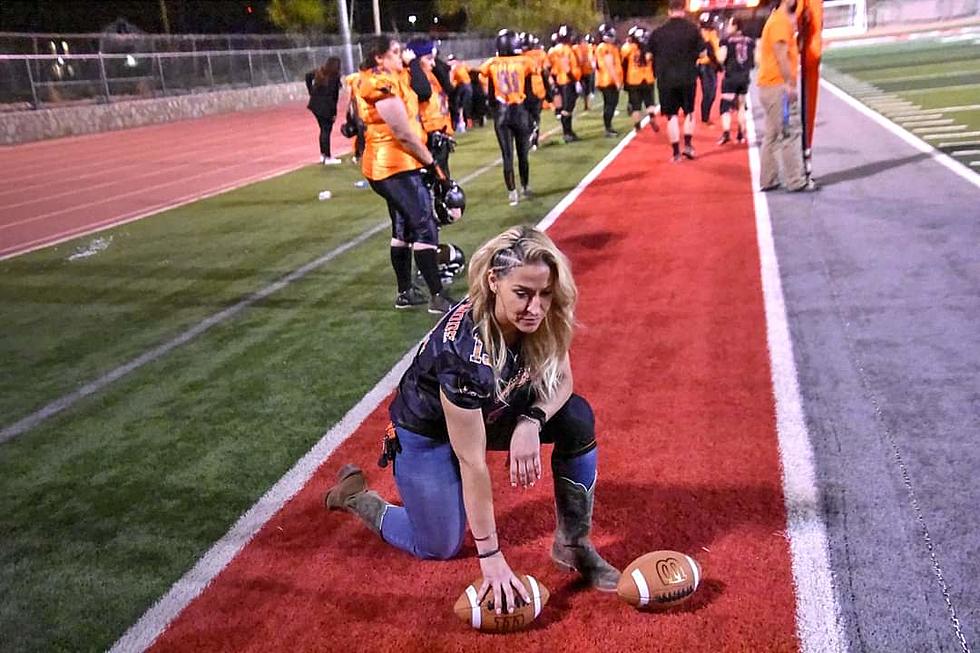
[
  {"x": 738, "y": 57},
  {"x": 494, "y": 374},
  {"x": 675, "y": 47},
  {"x": 323, "y": 85}
]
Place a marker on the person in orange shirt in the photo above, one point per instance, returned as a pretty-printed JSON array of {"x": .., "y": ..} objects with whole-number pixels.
[
  {"x": 779, "y": 64},
  {"x": 433, "y": 102},
  {"x": 708, "y": 68},
  {"x": 394, "y": 157},
  {"x": 539, "y": 89},
  {"x": 608, "y": 75},
  {"x": 639, "y": 79},
  {"x": 509, "y": 80},
  {"x": 585, "y": 52},
  {"x": 566, "y": 71},
  {"x": 463, "y": 92}
]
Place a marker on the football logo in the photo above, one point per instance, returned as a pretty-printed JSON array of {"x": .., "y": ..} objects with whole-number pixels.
[{"x": 670, "y": 572}]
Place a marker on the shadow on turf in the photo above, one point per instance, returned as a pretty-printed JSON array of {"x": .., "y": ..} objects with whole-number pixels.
[{"x": 870, "y": 169}]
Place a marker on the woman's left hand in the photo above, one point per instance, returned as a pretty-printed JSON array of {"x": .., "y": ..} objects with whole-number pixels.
[{"x": 525, "y": 454}]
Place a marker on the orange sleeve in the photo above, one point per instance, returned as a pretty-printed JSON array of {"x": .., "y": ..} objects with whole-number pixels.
[
  {"x": 782, "y": 30},
  {"x": 377, "y": 87}
]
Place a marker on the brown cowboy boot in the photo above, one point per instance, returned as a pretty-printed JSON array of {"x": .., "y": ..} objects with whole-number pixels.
[
  {"x": 572, "y": 548},
  {"x": 351, "y": 494}
]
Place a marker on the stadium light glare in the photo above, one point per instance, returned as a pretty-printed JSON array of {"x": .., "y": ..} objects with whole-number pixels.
[{"x": 412, "y": 18}]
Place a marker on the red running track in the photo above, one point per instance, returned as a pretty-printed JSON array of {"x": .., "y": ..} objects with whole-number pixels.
[
  {"x": 65, "y": 188},
  {"x": 672, "y": 354}
]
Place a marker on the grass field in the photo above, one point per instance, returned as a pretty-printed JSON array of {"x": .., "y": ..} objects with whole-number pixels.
[
  {"x": 105, "y": 505},
  {"x": 929, "y": 86}
]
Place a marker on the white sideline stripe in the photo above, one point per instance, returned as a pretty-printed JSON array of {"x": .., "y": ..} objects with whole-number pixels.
[
  {"x": 641, "y": 587},
  {"x": 65, "y": 401},
  {"x": 154, "y": 621},
  {"x": 818, "y": 623},
  {"x": 911, "y": 139},
  {"x": 476, "y": 619}
]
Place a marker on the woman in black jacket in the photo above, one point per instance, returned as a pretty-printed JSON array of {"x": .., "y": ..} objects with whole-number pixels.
[{"x": 324, "y": 87}]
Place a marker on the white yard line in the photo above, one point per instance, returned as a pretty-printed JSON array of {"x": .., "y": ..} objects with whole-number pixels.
[
  {"x": 151, "y": 625},
  {"x": 930, "y": 131},
  {"x": 937, "y": 122},
  {"x": 916, "y": 78},
  {"x": 818, "y": 621}
]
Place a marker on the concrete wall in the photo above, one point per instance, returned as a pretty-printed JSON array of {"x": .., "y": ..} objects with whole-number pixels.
[{"x": 27, "y": 126}]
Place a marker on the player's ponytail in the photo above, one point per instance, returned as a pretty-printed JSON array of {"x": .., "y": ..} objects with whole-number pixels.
[{"x": 543, "y": 352}]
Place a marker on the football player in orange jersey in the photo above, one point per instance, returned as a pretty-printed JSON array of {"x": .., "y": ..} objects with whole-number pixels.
[
  {"x": 463, "y": 92},
  {"x": 539, "y": 89},
  {"x": 638, "y": 74},
  {"x": 565, "y": 71},
  {"x": 708, "y": 67},
  {"x": 433, "y": 101},
  {"x": 608, "y": 75},
  {"x": 509, "y": 79},
  {"x": 585, "y": 51},
  {"x": 394, "y": 157}
]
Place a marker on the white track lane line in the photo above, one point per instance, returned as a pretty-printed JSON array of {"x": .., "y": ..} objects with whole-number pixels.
[
  {"x": 905, "y": 135},
  {"x": 151, "y": 625}
]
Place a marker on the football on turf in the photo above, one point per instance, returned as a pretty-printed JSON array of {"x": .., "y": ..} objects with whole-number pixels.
[
  {"x": 659, "y": 580},
  {"x": 482, "y": 617}
]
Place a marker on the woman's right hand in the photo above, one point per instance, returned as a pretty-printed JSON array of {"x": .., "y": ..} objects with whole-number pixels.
[{"x": 500, "y": 583}]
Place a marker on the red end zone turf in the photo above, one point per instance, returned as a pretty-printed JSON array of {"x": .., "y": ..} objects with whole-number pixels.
[{"x": 672, "y": 354}]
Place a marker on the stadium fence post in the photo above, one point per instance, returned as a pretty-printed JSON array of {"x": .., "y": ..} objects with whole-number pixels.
[
  {"x": 251, "y": 75},
  {"x": 105, "y": 79},
  {"x": 163, "y": 83},
  {"x": 30, "y": 78},
  {"x": 282, "y": 66}
]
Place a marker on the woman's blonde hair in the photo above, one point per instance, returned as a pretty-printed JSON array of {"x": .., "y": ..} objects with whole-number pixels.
[{"x": 542, "y": 352}]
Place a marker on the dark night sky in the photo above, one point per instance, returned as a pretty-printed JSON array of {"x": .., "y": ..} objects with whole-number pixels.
[{"x": 209, "y": 16}]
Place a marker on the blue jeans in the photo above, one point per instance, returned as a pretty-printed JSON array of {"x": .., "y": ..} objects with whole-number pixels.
[{"x": 431, "y": 523}]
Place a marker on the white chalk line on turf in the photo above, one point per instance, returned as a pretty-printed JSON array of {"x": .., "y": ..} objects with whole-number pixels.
[
  {"x": 155, "y": 621},
  {"x": 908, "y": 137},
  {"x": 818, "y": 623}
]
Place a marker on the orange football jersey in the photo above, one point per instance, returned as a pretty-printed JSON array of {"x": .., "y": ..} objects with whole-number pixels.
[
  {"x": 384, "y": 155},
  {"x": 508, "y": 75}
]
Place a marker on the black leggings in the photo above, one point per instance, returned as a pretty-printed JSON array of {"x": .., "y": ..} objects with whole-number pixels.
[
  {"x": 511, "y": 124},
  {"x": 709, "y": 88},
  {"x": 610, "y": 100},
  {"x": 326, "y": 126}
]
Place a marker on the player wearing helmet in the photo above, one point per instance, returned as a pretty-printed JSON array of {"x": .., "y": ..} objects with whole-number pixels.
[
  {"x": 566, "y": 72},
  {"x": 608, "y": 75},
  {"x": 638, "y": 73},
  {"x": 585, "y": 52},
  {"x": 508, "y": 78}
]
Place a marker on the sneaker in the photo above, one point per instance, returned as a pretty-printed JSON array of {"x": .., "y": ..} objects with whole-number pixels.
[
  {"x": 571, "y": 137},
  {"x": 331, "y": 161},
  {"x": 411, "y": 297},
  {"x": 322, "y": 158},
  {"x": 440, "y": 303},
  {"x": 689, "y": 152},
  {"x": 611, "y": 133},
  {"x": 653, "y": 125},
  {"x": 740, "y": 137},
  {"x": 725, "y": 138},
  {"x": 526, "y": 193},
  {"x": 770, "y": 187},
  {"x": 513, "y": 198},
  {"x": 675, "y": 158},
  {"x": 808, "y": 186},
  {"x": 637, "y": 127}
]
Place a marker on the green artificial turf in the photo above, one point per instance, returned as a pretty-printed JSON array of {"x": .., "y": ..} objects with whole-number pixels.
[{"x": 105, "y": 506}]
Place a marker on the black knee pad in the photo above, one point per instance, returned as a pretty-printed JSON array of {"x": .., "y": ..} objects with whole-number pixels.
[{"x": 571, "y": 429}]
